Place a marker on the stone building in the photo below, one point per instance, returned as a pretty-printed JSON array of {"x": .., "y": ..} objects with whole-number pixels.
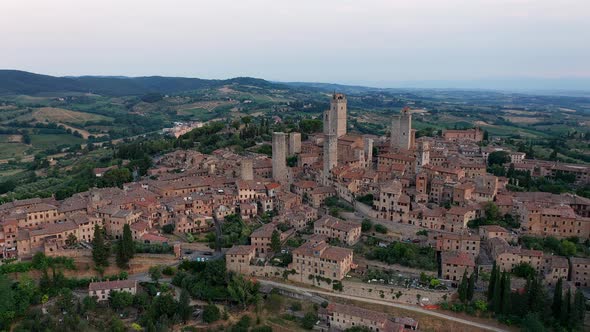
[
  {"x": 347, "y": 232},
  {"x": 467, "y": 243},
  {"x": 454, "y": 264},
  {"x": 580, "y": 271},
  {"x": 317, "y": 258},
  {"x": 475, "y": 135},
  {"x": 102, "y": 290},
  {"x": 238, "y": 258},
  {"x": 340, "y": 317}
]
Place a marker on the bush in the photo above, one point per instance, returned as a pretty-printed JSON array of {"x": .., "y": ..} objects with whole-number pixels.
[
  {"x": 308, "y": 321},
  {"x": 380, "y": 229},
  {"x": 211, "y": 313},
  {"x": 168, "y": 228},
  {"x": 296, "y": 306},
  {"x": 366, "y": 225},
  {"x": 168, "y": 270},
  {"x": 524, "y": 270}
]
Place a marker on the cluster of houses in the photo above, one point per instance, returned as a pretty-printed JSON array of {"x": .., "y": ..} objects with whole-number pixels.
[{"x": 439, "y": 184}]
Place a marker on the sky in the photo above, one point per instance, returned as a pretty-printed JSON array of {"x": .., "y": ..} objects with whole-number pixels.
[{"x": 384, "y": 43}]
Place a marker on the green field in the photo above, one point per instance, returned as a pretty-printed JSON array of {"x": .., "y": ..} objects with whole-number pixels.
[
  {"x": 12, "y": 150},
  {"x": 46, "y": 141}
]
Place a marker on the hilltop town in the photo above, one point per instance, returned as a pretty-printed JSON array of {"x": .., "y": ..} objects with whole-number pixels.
[{"x": 444, "y": 223}]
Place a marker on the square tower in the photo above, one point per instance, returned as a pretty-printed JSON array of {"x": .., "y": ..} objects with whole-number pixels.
[
  {"x": 401, "y": 130},
  {"x": 279, "y": 157},
  {"x": 339, "y": 107}
]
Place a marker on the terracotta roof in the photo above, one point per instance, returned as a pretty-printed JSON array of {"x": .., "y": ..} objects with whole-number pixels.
[
  {"x": 240, "y": 250},
  {"x": 115, "y": 284},
  {"x": 305, "y": 184},
  {"x": 457, "y": 258}
]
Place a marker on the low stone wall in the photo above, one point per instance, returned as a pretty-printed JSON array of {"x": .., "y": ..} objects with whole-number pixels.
[
  {"x": 73, "y": 253},
  {"x": 266, "y": 271},
  {"x": 388, "y": 293}
]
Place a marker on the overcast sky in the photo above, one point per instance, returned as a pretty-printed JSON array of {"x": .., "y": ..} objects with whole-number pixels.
[{"x": 362, "y": 41}]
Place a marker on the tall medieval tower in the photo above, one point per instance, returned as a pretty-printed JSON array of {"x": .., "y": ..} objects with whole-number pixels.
[
  {"x": 279, "y": 157},
  {"x": 423, "y": 155},
  {"x": 332, "y": 120},
  {"x": 339, "y": 109},
  {"x": 401, "y": 130}
]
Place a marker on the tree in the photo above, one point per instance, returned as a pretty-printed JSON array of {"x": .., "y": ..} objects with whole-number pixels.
[
  {"x": 243, "y": 291},
  {"x": 463, "y": 287},
  {"x": 168, "y": 228},
  {"x": 506, "y": 293},
  {"x": 492, "y": 212},
  {"x": 471, "y": 287},
  {"x": 380, "y": 229},
  {"x": 155, "y": 273},
  {"x": 492, "y": 282},
  {"x": 578, "y": 310},
  {"x": 71, "y": 240},
  {"x": 366, "y": 225},
  {"x": 496, "y": 303},
  {"x": 568, "y": 248},
  {"x": 275, "y": 242},
  {"x": 7, "y": 308},
  {"x": 498, "y": 158},
  {"x": 211, "y": 313},
  {"x": 532, "y": 323},
  {"x": 184, "y": 309},
  {"x": 557, "y": 299},
  {"x": 120, "y": 300},
  {"x": 100, "y": 251},
  {"x": 524, "y": 270},
  {"x": 566, "y": 309},
  {"x": 125, "y": 248},
  {"x": 308, "y": 321}
]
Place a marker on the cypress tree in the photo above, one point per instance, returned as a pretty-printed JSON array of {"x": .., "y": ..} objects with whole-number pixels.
[
  {"x": 471, "y": 287},
  {"x": 578, "y": 310},
  {"x": 128, "y": 241},
  {"x": 557, "y": 299},
  {"x": 506, "y": 293},
  {"x": 566, "y": 309},
  {"x": 463, "y": 287},
  {"x": 497, "y": 296},
  {"x": 492, "y": 282},
  {"x": 125, "y": 248},
  {"x": 100, "y": 252},
  {"x": 536, "y": 297}
]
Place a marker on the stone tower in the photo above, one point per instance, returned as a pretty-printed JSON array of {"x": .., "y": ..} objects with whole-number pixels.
[
  {"x": 246, "y": 169},
  {"x": 368, "y": 142},
  {"x": 279, "y": 157},
  {"x": 339, "y": 109},
  {"x": 294, "y": 143},
  {"x": 330, "y": 138},
  {"x": 401, "y": 130},
  {"x": 423, "y": 155}
]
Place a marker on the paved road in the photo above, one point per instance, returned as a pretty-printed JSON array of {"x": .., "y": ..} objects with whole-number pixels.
[{"x": 390, "y": 304}]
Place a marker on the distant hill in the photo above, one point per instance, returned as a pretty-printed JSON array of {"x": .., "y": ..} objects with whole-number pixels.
[{"x": 21, "y": 82}]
